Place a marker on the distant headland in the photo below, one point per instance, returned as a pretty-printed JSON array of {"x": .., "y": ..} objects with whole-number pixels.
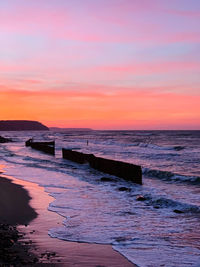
[{"x": 22, "y": 125}]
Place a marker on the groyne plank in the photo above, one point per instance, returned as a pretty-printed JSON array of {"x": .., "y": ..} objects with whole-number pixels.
[
  {"x": 121, "y": 169},
  {"x": 46, "y": 147},
  {"x": 47, "y": 143},
  {"x": 76, "y": 156}
]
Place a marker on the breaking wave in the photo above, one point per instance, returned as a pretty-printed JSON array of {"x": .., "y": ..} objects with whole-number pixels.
[{"x": 170, "y": 176}]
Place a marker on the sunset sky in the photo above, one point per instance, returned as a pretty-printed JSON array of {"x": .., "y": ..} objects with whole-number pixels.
[{"x": 103, "y": 64}]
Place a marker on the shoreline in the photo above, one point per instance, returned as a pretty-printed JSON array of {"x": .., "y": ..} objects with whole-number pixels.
[{"x": 50, "y": 250}]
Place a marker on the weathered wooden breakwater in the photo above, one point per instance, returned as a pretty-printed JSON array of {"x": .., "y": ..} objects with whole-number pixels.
[
  {"x": 30, "y": 142},
  {"x": 5, "y": 140},
  {"x": 47, "y": 147},
  {"x": 121, "y": 169},
  {"x": 76, "y": 156}
]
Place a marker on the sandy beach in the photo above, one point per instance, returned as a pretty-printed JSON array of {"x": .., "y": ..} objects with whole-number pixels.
[{"x": 24, "y": 204}]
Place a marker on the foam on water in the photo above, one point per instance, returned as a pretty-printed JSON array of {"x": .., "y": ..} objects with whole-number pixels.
[{"x": 162, "y": 230}]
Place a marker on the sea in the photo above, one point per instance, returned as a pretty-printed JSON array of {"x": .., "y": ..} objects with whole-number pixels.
[{"x": 161, "y": 230}]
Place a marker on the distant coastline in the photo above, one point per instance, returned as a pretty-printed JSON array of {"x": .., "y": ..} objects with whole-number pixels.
[{"x": 22, "y": 125}]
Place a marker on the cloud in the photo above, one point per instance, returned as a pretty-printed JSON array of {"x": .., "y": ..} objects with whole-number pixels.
[
  {"x": 152, "y": 67},
  {"x": 97, "y": 21}
]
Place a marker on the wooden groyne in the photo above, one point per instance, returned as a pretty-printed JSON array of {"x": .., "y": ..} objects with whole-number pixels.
[
  {"x": 76, "y": 156},
  {"x": 121, "y": 169},
  {"x": 47, "y": 147},
  {"x": 44, "y": 148},
  {"x": 5, "y": 140},
  {"x": 30, "y": 142}
]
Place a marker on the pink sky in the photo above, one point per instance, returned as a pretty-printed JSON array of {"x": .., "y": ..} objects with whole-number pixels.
[{"x": 101, "y": 64}]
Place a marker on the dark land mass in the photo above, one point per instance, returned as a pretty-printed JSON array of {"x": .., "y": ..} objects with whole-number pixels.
[
  {"x": 14, "y": 204},
  {"x": 15, "y": 248},
  {"x": 14, "y": 252},
  {"x": 22, "y": 125},
  {"x": 14, "y": 209}
]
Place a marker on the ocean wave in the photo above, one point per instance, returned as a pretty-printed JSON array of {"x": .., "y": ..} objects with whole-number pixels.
[
  {"x": 178, "y": 148},
  {"x": 170, "y": 176},
  {"x": 157, "y": 147},
  {"x": 176, "y": 206}
]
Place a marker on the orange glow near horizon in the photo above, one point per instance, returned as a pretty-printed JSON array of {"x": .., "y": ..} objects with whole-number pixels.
[{"x": 121, "y": 110}]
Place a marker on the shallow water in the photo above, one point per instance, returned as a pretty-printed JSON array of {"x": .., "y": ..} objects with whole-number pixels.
[{"x": 163, "y": 230}]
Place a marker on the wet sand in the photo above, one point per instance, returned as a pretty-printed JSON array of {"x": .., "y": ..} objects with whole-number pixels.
[
  {"x": 49, "y": 251},
  {"x": 14, "y": 208}
]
